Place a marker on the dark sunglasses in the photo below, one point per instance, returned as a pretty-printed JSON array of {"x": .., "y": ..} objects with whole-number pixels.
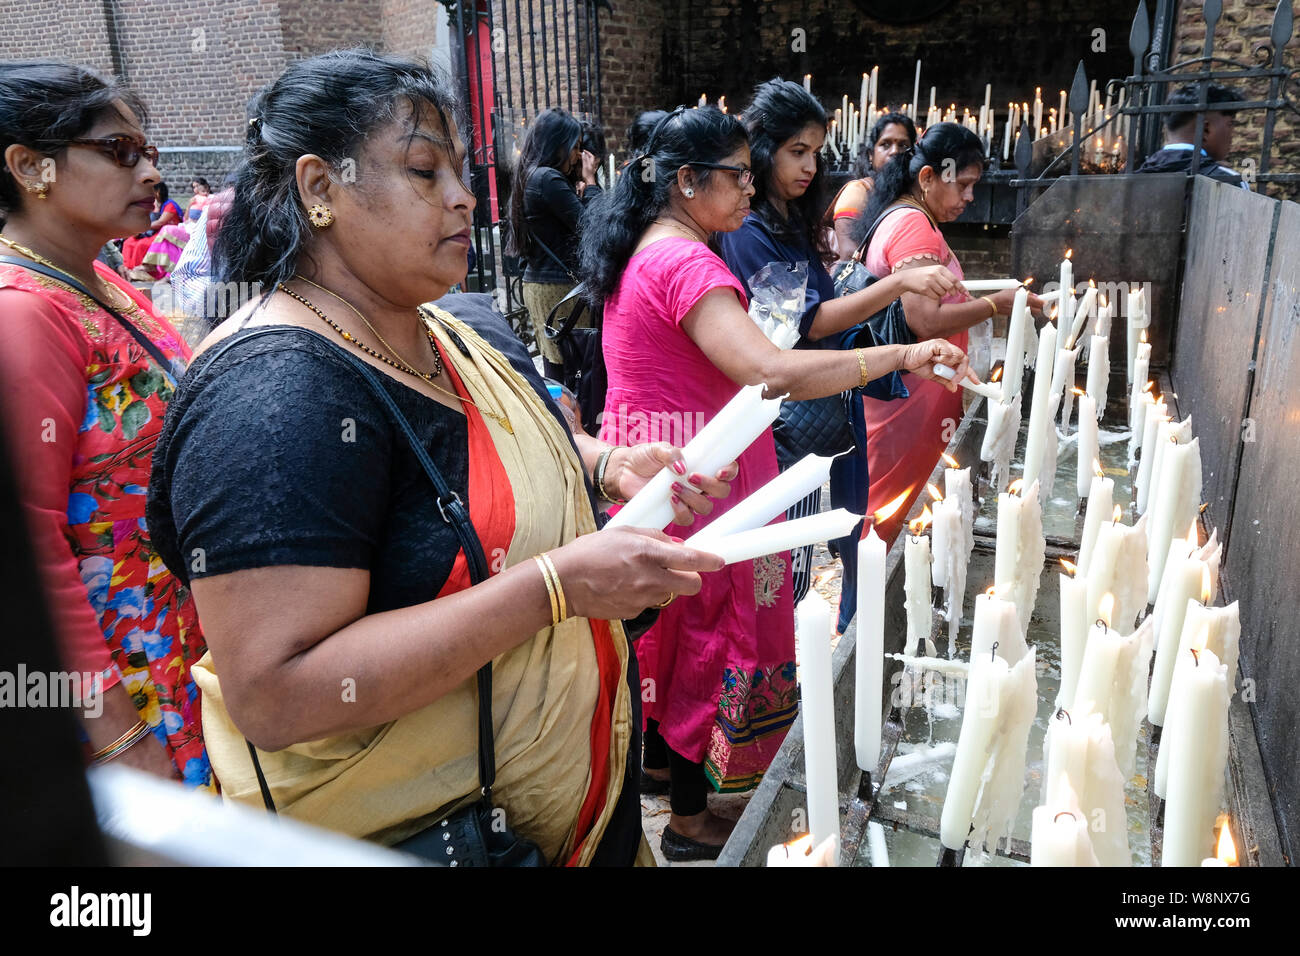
[
  {"x": 744, "y": 175},
  {"x": 123, "y": 150}
]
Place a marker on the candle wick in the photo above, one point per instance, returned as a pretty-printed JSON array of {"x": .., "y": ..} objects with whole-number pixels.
[
  {"x": 993, "y": 652},
  {"x": 1101, "y": 623},
  {"x": 1196, "y": 656},
  {"x": 1062, "y": 712},
  {"x": 1064, "y": 813}
]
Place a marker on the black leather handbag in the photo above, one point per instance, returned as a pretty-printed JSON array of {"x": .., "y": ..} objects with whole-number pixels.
[
  {"x": 889, "y": 325},
  {"x": 814, "y": 426},
  {"x": 472, "y": 836},
  {"x": 582, "y": 354}
]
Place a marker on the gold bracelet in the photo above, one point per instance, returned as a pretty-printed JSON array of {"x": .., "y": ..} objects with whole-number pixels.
[
  {"x": 559, "y": 588},
  {"x": 992, "y": 305},
  {"x": 862, "y": 367},
  {"x": 550, "y": 589}
]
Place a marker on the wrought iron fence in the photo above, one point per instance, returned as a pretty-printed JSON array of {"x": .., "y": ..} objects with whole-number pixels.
[{"x": 513, "y": 59}]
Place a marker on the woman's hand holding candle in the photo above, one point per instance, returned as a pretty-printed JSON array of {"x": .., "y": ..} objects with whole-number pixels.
[
  {"x": 630, "y": 468},
  {"x": 921, "y": 359}
]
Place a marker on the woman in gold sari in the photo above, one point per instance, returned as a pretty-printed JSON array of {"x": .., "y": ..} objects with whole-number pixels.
[{"x": 344, "y": 634}]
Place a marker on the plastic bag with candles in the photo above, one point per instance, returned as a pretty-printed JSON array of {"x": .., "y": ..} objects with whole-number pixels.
[{"x": 777, "y": 299}]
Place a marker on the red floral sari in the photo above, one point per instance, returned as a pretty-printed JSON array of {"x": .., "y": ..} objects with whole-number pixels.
[{"x": 84, "y": 404}]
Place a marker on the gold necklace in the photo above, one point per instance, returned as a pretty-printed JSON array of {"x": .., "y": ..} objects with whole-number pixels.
[
  {"x": 917, "y": 204},
  {"x": 503, "y": 421},
  {"x": 127, "y": 306},
  {"x": 678, "y": 226}
]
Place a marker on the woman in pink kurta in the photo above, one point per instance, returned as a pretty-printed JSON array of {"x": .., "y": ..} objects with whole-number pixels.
[
  {"x": 717, "y": 668},
  {"x": 929, "y": 183},
  {"x": 722, "y": 660}
]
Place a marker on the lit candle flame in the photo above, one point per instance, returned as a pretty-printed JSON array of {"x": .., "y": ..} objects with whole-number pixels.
[
  {"x": 1143, "y": 337},
  {"x": 1069, "y": 253},
  {"x": 1103, "y": 300},
  {"x": 1052, "y": 315},
  {"x": 1227, "y": 849},
  {"x": 1149, "y": 386},
  {"x": 921, "y": 522},
  {"x": 1078, "y": 391},
  {"x": 1205, "y": 583},
  {"x": 992, "y": 590},
  {"x": 1016, "y": 486},
  {"x": 1069, "y": 566},
  {"x": 1029, "y": 281},
  {"x": 1106, "y": 609},
  {"x": 951, "y": 461},
  {"x": 1097, "y": 469},
  {"x": 800, "y": 847},
  {"x": 935, "y": 493},
  {"x": 997, "y": 374},
  {"x": 890, "y": 509},
  {"x": 1092, "y": 283},
  {"x": 1119, "y": 513}
]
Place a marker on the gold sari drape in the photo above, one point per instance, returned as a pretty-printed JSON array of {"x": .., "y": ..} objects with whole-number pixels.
[{"x": 389, "y": 782}]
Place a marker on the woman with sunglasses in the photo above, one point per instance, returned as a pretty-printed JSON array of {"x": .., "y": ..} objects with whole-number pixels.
[
  {"x": 87, "y": 370},
  {"x": 787, "y": 128},
  {"x": 717, "y": 669}
]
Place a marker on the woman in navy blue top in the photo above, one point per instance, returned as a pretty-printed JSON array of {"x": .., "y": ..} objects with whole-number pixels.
[{"x": 787, "y": 128}]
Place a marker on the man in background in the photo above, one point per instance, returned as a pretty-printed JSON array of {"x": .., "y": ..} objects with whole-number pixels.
[{"x": 1216, "y": 139}]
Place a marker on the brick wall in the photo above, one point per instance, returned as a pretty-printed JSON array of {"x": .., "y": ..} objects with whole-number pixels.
[
  {"x": 1244, "y": 25},
  {"x": 312, "y": 26},
  {"x": 72, "y": 31},
  {"x": 639, "y": 65},
  {"x": 411, "y": 27}
]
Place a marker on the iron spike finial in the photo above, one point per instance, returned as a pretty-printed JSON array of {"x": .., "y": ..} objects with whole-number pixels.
[
  {"x": 1213, "y": 9},
  {"x": 1078, "y": 92},
  {"x": 1139, "y": 37},
  {"x": 1283, "y": 24},
  {"x": 1025, "y": 150}
]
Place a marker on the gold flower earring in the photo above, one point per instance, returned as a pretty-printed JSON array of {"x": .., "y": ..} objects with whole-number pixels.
[
  {"x": 321, "y": 216},
  {"x": 41, "y": 189}
]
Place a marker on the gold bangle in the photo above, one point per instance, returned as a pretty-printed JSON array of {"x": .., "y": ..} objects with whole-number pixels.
[
  {"x": 550, "y": 589},
  {"x": 559, "y": 589},
  {"x": 862, "y": 367},
  {"x": 992, "y": 305}
]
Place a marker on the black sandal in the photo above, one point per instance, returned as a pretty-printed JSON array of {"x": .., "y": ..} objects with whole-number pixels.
[{"x": 680, "y": 849}]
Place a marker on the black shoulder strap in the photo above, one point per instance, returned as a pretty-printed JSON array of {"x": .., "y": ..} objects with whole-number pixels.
[
  {"x": 861, "y": 254},
  {"x": 149, "y": 346},
  {"x": 453, "y": 511},
  {"x": 532, "y": 236}
]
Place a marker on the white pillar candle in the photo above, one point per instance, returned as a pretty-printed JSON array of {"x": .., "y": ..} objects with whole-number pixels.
[
  {"x": 1089, "y": 449},
  {"x": 1137, "y": 321},
  {"x": 1083, "y": 311},
  {"x": 996, "y": 624},
  {"x": 1139, "y": 366},
  {"x": 1074, "y": 634},
  {"x": 1119, "y": 567},
  {"x": 1065, "y": 316},
  {"x": 876, "y": 845},
  {"x": 1178, "y": 497},
  {"x": 1079, "y": 757},
  {"x": 717, "y": 444},
  {"x": 1013, "y": 366},
  {"x": 959, "y": 495},
  {"x": 1099, "y": 372},
  {"x": 916, "y": 587},
  {"x": 1101, "y": 493},
  {"x": 1060, "y": 838},
  {"x": 1018, "y": 559},
  {"x": 773, "y": 499},
  {"x": 783, "y": 536},
  {"x": 798, "y": 852},
  {"x": 1213, "y": 629},
  {"x": 1181, "y": 585},
  {"x": 818, "y": 709},
  {"x": 1104, "y": 312},
  {"x": 1156, "y": 422},
  {"x": 943, "y": 535},
  {"x": 1113, "y": 681},
  {"x": 1000, "y": 438},
  {"x": 1138, "y": 424},
  {"x": 1198, "y": 755},
  {"x": 1063, "y": 385},
  {"x": 1039, "y": 411},
  {"x": 992, "y": 285},
  {"x": 988, "y": 771},
  {"x": 1168, "y": 434},
  {"x": 870, "y": 650}
]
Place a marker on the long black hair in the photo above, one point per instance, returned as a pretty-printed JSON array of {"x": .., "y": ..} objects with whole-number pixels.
[
  {"x": 864, "y": 168},
  {"x": 944, "y": 145},
  {"x": 327, "y": 105},
  {"x": 549, "y": 141},
  {"x": 639, "y": 129},
  {"x": 614, "y": 222},
  {"x": 45, "y": 105},
  {"x": 778, "y": 112}
]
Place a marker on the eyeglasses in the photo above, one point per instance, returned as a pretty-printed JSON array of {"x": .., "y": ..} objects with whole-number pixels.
[
  {"x": 744, "y": 175},
  {"x": 123, "y": 150}
]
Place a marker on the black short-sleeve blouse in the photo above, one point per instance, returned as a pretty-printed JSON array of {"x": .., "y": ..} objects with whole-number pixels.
[{"x": 278, "y": 453}]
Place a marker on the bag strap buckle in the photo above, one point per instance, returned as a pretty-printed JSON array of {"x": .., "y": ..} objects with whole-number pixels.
[{"x": 445, "y": 501}]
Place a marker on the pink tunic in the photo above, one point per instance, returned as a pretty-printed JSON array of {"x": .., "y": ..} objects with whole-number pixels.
[
  {"x": 905, "y": 438},
  {"x": 717, "y": 669}
]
